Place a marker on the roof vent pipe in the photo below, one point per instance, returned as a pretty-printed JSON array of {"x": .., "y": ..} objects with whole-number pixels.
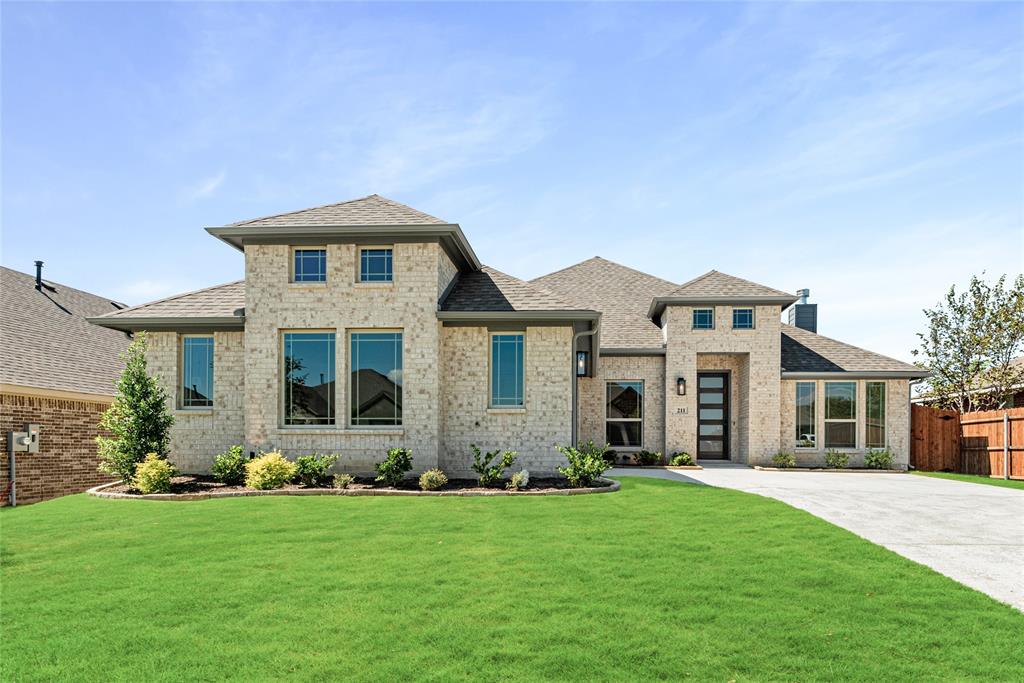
[
  {"x": 39, "y": 275},
  {"x": 803, "y": 294}
]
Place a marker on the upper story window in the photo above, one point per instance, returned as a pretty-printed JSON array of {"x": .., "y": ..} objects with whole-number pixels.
[
  {"x": 308, "y": 367},
  {"x": 196, "y": 390},
  {"x": 703, "y": 318},
  {"x": 507, "y": 370},
  {"x": 624, "y": 414},
  {"x": 806, "y": 412},
  {"x": 874, "y": 396},
  {"x": 376, "y": 376},
  {"x": 743, "y": 318},
  {"x": 309, "y": 265},
  {"x": 375, "y": 265},
  {"x": 840, "y": 414}
]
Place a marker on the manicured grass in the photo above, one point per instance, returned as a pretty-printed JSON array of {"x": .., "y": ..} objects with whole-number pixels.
[
  {"x": 976, "y": 479},
  {"x": 660, "y": 580}
]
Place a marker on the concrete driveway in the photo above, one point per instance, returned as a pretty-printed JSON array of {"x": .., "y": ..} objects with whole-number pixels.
[{"x": 972, "y": 533}]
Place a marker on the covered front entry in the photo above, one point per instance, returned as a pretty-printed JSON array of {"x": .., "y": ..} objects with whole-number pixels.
[{"x": 712, "y": 416}]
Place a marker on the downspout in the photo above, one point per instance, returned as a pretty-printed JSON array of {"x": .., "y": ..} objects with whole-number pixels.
[{"x": 576, "y": 380}]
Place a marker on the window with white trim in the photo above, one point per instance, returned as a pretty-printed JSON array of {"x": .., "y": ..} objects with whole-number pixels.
[
  {"x": 624, "y": 413},
  {"x": 874, "y": 405},
  {"x": 196, "y": 390},
  {"x": 507, "y": 370},
  {"x": 840, "y": 414},
  {"x": 806, "y": 412}
]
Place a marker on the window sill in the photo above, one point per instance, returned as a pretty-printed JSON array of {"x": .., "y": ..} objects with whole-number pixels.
[
  {"x": 307, "y": 285},
  {"x": 375, "y": 285},
  {"x": 193, "y": 411},
  {"x": 506, "y": 411},
  {"x": 339, "y": 431}
]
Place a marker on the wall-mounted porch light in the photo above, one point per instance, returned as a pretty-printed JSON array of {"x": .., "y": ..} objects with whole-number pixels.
[
  {"x": 681, "y": 385},
  {"x": 582, "y": 366}
]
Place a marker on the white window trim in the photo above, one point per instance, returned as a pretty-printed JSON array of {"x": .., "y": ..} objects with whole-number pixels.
[
  {"x": 885, "y": 414},
  {"x": 814, "y": 414},
  {"x": 348, "y": 379},
  {"x": 490, "y": 372},
  {"x": 291, "y": 265},
  {"x": 282, "y": 393},
  {"x": 181, "y": 374},
  {"x": 359, "y": 268},
  {"x": 693, "y": 323},
  {"x": 753, "y": 317},
  {"x": 643, "y": 411},
  {"x": 826, "y": 420}
]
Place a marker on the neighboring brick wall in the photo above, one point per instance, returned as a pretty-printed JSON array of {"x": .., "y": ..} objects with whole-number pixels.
[
  {"x": 533, "y": 431},
  {"x": 592, "y": 409},
  {"x": 197, "y": 436},
  {"x": 897, "y": 423},
  {"x": 67, "y": 460}
]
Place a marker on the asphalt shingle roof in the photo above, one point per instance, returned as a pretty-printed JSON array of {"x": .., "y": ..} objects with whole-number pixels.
[
  {"x": 491, "y": 290},
  {"x": 47, "y": 342},
  {"x": 804, "y": 351},
  {"x": 212, "y": 302},
  {"x": 371, "y": 210},
  {"x": 716, "y": 284}
]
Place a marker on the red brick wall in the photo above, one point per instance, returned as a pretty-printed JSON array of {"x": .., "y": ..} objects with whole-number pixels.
[{"x": 66, "y": 461}]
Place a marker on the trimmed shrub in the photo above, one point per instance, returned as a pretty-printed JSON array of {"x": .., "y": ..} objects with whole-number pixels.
[
  {"x": 343, "y": 481},
  {"x": 431, "y": 480},
  {"x": 784, "y": 459},
  {"x": 519, "y": 480},
  {"x": 586, "y": 464},
  {"x": 153, "y": 475},
  {"x": 836, "y": 460},
  {"x": 269, "y": 471},
  {"x": 878, "y": 459},
  {"x": 229, "y": 467},
  {"x": 648, "y": 458},
  {"x": 682, "y": 459},
  {"x": 488, "y": 471},
  {"x": 392, "y": 469},
  {"x": 311, "y": 470}
]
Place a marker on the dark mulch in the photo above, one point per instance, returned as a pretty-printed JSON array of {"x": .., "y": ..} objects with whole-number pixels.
[{"x": 190, "y": 483}]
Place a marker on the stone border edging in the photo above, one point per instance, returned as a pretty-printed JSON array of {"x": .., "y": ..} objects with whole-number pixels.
[
  {"x": 98, "y": 491},
  {"x": 851, "y": 470},
  {"x": 659, "y": 467}
]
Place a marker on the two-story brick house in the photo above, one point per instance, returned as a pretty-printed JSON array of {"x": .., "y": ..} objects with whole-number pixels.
[{"x": 368, "y": 324}]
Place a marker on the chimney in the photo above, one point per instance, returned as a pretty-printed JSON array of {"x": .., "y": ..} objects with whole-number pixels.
[
  {"x": 39, "y": 275},
  {"x": 803, "y": 314}
]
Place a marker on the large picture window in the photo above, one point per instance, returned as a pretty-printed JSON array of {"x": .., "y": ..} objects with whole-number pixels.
[
  {"x": 624, "y": 419},
  {"x": 806, "y": 427},
  {"x": 196, "y": 389},
  {"x": 874, "y": 396},
  {"x": 376, "y": 377},
  {"x": 840, "y": 414},
  {"x": 507, "y": 370},
  {"x": 308, "y": 367}
]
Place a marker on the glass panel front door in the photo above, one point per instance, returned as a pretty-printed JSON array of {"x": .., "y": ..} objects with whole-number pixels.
[{"x": 713, "y": 415}]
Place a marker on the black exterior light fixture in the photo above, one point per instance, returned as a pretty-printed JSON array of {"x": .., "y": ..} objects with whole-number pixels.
[
  {"x": 582, "y": 365},
  {"x": 681, "y": 385}
]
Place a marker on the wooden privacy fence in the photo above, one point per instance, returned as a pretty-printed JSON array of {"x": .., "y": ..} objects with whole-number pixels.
[{"x": 969, "y": 443}]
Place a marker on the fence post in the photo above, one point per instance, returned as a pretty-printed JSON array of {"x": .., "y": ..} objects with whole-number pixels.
[{"x": 1006, "y": 444}]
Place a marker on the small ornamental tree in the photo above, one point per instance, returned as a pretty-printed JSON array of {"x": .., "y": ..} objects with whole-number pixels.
[{"x": 138, "y": 418}]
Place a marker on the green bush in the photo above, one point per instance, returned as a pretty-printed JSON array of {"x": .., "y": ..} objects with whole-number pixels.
[
  {"x": 878, "y": 459},
  {"x": 392, "y": 469},
  {"x": 586, "y": 464},
  {"x": 487, "y": 470},
  {"x": 311, "y": 470},
  {"x": 608, "y": 454},
  {"x": 682, "y": 459},
  {"x": 784, "y": 459},
  {"x": 836, "y": 460},
  {"x": 647, "y": 458},
  {"x": 343, "y": 481},
  {"x": 519, "y": 480},
  {"x": 229, "y": 467},
  {"x": 431, "y": 480},
  {"x": 269, "y": 471},
  {"x": 153, "y": 475}
]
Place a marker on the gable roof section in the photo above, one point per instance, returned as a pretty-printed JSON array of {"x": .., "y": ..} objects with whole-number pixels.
[
  {"x": 221, "y": 307},
  {"x": 622, "y": 295},
  {"x": 48, "y": 342},
  {"x": 369, "y": 210},
  {"x": 489, "y": 291},
  {"x": 714, "y": 287},
  {"x": 808, "y": 353}
]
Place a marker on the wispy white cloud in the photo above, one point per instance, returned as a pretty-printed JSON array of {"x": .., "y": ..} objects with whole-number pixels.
[{"x": 206, "y": 187}]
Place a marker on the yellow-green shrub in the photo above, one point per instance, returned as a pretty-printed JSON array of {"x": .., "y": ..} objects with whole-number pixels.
[
  {"x": 269, "y": 471},
  {"x": 433, "y": 479},
  {"x": 153, "y": 475}
]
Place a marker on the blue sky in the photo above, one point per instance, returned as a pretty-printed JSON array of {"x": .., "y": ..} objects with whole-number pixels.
[{"x": 873, "y": 153}]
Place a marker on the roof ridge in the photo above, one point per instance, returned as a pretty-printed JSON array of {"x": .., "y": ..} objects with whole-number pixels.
[
  {"x": 730, "y": 276},
  {"x": 63, "y": 286},
  {"x": 308, "y": 208},
  {"x": 697, "y": 279},
  {"x": 787, "y": 327},
  {"x": 605, "y": 260},
  {"x": 393, "y": 202},
  {"x": 529, "y": 283},
  {"x": 171, "y": 298}
]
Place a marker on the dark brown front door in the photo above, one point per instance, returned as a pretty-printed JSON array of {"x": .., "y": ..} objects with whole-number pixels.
[{"x": 713, "y": 415}]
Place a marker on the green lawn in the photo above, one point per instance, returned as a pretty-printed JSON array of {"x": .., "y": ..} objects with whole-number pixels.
[
  {"x": 976, "y": 479},
  {"x": 660, "y": 580}
]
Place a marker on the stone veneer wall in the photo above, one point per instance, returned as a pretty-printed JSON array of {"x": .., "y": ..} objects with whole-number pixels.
[
  {"x": 897, "y": 423},
  {"x": 739, "y": 414},
  {"x": 446, "y": 271},
  {"x": 198, "y": 435},
  {"x": 592, "y": 410},
  {"x": 342, "y": 304},
  {"x": 534, "y": 430},
  {"x": 763, "y": 344}
]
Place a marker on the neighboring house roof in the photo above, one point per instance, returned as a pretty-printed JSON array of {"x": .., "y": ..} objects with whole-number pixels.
[
  {"x": 370, "y": 210},
  {"x": 219, "y": 307},
  {"x": 807, "y": 352},
  {"x": 621, "y": 294},
  {"x": 491, "y": 291},
  {"x": 49, "y": 344}
]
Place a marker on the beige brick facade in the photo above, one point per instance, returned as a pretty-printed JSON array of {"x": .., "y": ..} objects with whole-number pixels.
[{"x": 592, "y": 409}]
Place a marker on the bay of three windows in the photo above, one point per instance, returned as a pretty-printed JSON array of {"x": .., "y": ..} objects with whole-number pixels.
[
  {"x": 704, "y": 318},
  {"x": 375, "y": 264},
  {"x": 840, "y": 421}
]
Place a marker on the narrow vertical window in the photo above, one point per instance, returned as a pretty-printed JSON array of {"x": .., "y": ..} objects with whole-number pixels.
[
  {"x": 703, "y": 318},
  {"x": 308, "y": 367},
  {"x": 375, "y": 265},
  {"x": 806, "y": 430},
  {"x": 376, "y": 379},
  {"x": 310, "y": 265},
  {"x": 196, "y": 389},
  {"x": 840, "y": 414},
  {"x": 624, "y": 414},
  {"x": 875, "y": 409},
  {"x": 743, "y": 318},
  {"x": 507, "y": 370}
]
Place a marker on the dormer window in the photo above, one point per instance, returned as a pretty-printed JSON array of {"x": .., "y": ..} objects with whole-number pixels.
[
  {"x": 309, "y": 265},
  {"x": 703, "y": 318},
  {"x": 375, "y": 264}
]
